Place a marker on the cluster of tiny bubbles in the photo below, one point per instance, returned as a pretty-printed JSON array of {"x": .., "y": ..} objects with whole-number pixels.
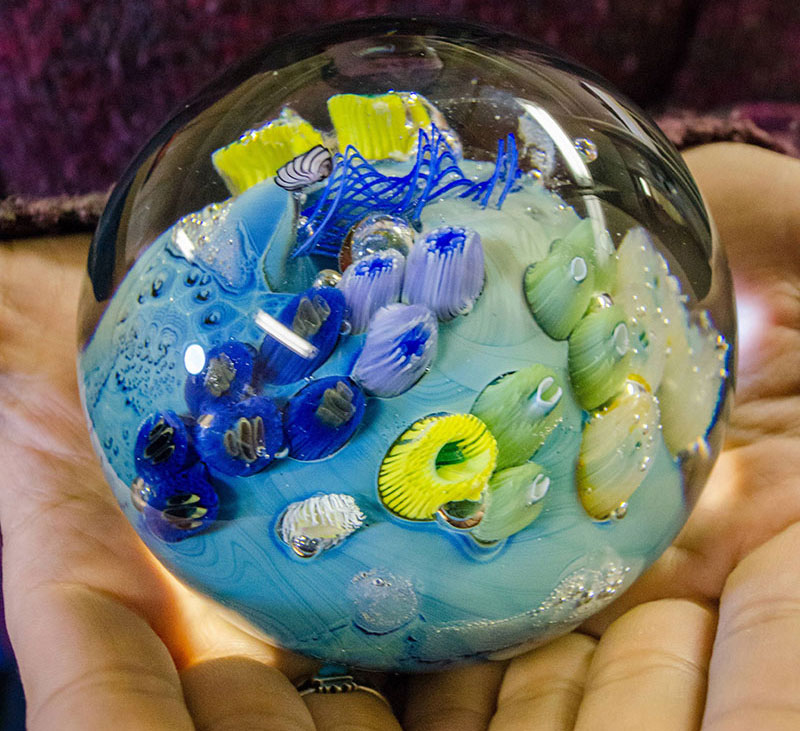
[
  {"x": 584, "y": 592},
  {"x": 580, "y": 594},
  {"x": 198, "y": 225},
  {"x": 147, "y": 359},
  {"x": 383, "y": 601},
  {"x": 586, "y": 148}
]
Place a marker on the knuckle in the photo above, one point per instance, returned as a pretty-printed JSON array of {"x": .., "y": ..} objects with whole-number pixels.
[
  {"x": 758, "y": 614},
  {"x": 635, "y": 665}
]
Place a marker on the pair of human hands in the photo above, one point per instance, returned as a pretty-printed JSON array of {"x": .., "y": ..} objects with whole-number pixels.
[{"x": 105, "y": 638}]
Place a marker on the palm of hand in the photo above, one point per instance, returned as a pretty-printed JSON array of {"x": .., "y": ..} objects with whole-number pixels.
[{"x": 104, "y": 637}]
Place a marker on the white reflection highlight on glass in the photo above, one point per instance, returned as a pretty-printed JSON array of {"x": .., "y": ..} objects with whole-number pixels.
[
  {"x": 622, "y": 114},
  {"x": 662, "y": 200},
  {"x": 603, "y": 245},
  {"x": 184, "y": 243},
  {"x": 562, "y": 141},
  {"x": 284, "y": 335},
  {"x": 194, "y": 359}
]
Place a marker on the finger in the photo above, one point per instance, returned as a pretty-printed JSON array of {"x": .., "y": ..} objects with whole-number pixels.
[
  {"x": 348, "y": 711},
  {"x": 86, "y": 656},
  {"x": 84, "y": 608},
  {"x": 60, "y": 522},
  {"x": 213, "y": 632},
  {"x": 40, "y": 281},
  {"x": 89, "y": 663},
  {"x": 735, "y": 511},
  {"x": 235, "y": 693},
  {"x": 542, "y": 689},
  {"x": 754, "y": 678},
  {"x": 762, "y": 180},
  {"x": 649, "y": 669},
  {"x": 464, "y": 698},
  {"x": 85, "y": 600}
]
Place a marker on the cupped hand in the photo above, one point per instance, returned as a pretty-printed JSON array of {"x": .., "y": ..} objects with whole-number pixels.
[
  {"x": 106, "y": 639},
  {"x": 710, "y": 635}
]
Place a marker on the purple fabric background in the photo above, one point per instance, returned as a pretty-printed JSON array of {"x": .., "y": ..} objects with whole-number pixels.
[
  {"x": 742, "y": 50},
  {"x": 84, "y": 83}
]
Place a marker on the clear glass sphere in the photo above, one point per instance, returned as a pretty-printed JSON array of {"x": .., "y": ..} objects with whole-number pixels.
[{"x": 411, "y": 342}]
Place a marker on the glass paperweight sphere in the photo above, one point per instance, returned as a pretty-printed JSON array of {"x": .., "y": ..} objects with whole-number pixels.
[{"x": 408, "y": 341}]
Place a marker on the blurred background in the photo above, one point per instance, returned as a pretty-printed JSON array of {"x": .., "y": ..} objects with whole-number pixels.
[{"x": 84, "y": 83}]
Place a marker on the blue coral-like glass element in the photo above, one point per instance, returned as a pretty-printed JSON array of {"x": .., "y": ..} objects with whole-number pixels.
[
  {"x": 163, "y": 447},
  {"x": 323, "y": 417},
  {"x": 179, "y": 507},
  {"x": 226, "y": 375},
  {"x": 399, "y": 348},
  {"x": 241, "y": 438},
  {"x": 315, "y": 315},
  {"x": 371, "y": 283},
  {"x": 356, "y": 188},
  {"x": 444, "y": 271}
]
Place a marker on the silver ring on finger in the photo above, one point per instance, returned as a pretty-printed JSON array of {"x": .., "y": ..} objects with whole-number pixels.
[{"x": 334, "y": 684}]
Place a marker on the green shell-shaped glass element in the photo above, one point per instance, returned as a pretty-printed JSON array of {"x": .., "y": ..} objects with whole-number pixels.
[
  {"x": 560, "y": 287},
  {"x": 599, "y": 354},
  {"x": 520, "y": 409},
  {"x": 641, "y": 285},
  {"x": 689, "y": 395},
  {"x": 617, "y": 451},
  {"x": 512, "y": 501},
  {"x": 683, "y": 364}
]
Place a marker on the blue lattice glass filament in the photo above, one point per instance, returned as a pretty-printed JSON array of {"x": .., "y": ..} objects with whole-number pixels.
[
  {"x": 356, "y": 188},
  {"x": 505, "y": 169}
]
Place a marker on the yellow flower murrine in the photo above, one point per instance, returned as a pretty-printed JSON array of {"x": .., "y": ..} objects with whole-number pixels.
[{"x": 437, "y": 460}]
